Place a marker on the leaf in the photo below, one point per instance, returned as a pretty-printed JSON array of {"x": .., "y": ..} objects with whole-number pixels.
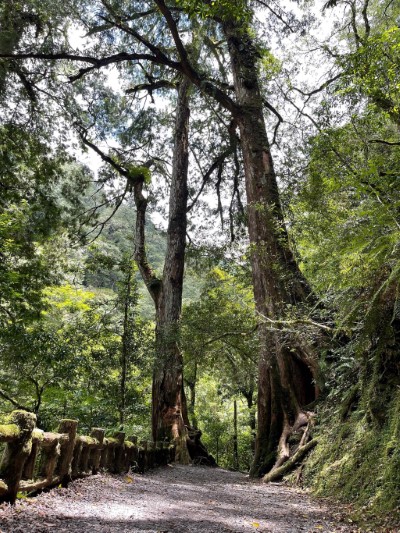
[{"x": 255, "y": 524}]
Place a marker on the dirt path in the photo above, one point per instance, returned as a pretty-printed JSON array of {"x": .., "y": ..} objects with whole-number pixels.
[{"x": 173, "y": 499}]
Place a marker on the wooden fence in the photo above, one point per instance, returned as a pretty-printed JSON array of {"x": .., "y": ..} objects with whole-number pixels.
[{"x": 34, "y": 459}]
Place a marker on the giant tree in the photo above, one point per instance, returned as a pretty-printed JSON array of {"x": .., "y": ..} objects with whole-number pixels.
[{"x": 288, "y": 367}]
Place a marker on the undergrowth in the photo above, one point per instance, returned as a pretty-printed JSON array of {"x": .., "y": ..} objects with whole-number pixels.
[{"x": 357, "y": 459}]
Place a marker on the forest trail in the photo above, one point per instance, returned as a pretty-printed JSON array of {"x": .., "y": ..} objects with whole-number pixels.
[{"x": 172, "y": 499}]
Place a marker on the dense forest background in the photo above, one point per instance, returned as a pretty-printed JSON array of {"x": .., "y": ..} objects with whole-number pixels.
[{"x": 77, "y": 322}]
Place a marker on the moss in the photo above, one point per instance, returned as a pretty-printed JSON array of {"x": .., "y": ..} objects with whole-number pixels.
[
  {"x": 9, "y": 432},
  {"x": 349, "y": 401},
  {"x": 24, "y": 419},
  {"x": 37, "y": 435},
  {"x": 359, "y": 461},
  {"x": 3, "y": 488},
  {"x": 88, "y": 441}
]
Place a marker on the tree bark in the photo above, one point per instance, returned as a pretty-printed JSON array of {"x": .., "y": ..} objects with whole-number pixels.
[
  {"x": 167, "y": 414},
  {"x": 169, "y": 411},
  {"x": 191, "y": 383},
  {"x": 286, "y": 369},
  {"x": 125, "y": 349}
]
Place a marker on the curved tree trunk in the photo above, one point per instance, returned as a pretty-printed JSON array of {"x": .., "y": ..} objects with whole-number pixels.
[{"x": 287, "y": 368}]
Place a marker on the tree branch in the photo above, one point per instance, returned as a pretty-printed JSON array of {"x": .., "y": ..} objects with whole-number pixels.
[
  {"x": 279, "y": 117},
  {"x": 321, "y": 87},
  {"x": 15, "y": 403},
  {"x": 381, "y": 141},
  {"x": 215, "y": 165},
  {"x": 186, "y": 67},
  {"x": 153, "y": 283}
]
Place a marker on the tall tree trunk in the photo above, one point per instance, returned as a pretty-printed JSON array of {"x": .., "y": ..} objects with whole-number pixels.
[
  {"x": 169, "y": 410},
  {"x": 249, "y": 394},
  {"x": 286, "y": 370},
  {"x": 191, "y": 383},
  {"x": 168, "y": 403}
]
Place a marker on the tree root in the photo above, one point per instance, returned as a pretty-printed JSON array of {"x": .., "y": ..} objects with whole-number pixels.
[
  {"x": 278, "y": 473},
  {"x": 198, "y": 452}
]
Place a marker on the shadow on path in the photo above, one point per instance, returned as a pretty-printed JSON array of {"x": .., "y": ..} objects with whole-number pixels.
[{"x": 173, "y": 499}]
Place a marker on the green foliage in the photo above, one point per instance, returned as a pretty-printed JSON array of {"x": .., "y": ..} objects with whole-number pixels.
[
  {"x": 270, "y": 65},
  {"x": 356, "y": 446},
  {"x": 40, "y": 193},
  {"x": 218, "y": 331},
  {"x": 374, "y": 70},
  {"x": 139, "y": 172},
  {"x": 347, "y": 216},
  {"x": 220, "y": 345},
  {"x": 347, "y": 231},
  {"x": 215, "y": 418},
  {"x": 237, "y": 10}
]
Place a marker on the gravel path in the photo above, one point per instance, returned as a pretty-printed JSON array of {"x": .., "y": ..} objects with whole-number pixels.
[{"x": 173, "y": 499}]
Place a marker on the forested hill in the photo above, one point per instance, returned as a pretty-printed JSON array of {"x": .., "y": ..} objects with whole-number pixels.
[{"x": 103, "y": 257}]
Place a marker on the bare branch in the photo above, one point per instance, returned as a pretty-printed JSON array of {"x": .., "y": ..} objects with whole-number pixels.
[
  {"x": 277, "y": 15},
  {"x": 279, "y": 117},
  {"x": 215, "y": 165},
  {"x": 381, "y": 141},
  {"x": 321, "y": 87}
]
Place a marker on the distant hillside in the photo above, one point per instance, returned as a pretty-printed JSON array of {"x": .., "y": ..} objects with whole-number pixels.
[{"x": 117, "y": 239}]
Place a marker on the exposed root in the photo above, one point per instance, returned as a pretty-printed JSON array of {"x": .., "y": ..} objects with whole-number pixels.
[
  {"x": 287, "y": 457},
  {"x": 278, "y": 473},
  {"x": 198, "y": 452}
]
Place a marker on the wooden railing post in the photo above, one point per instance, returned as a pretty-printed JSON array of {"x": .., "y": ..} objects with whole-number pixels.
[
  {"x": 51, "y": 450},
  {"x": 65, "y": 456},
  {"x": 76, "y": 458},
  {"x": 151, "y": 454},
  {"x": 159, "y": 454},
  {"x": 119, "y": 453},
  {"x": 29, "y": 468},
  {"x": 64, "y": 467},
  {"x": 133, "y": 453},
  {"x": 17, "y": 452},
  {"x": 143, "y": 457},
  {"x": 95, "y": 454}
]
